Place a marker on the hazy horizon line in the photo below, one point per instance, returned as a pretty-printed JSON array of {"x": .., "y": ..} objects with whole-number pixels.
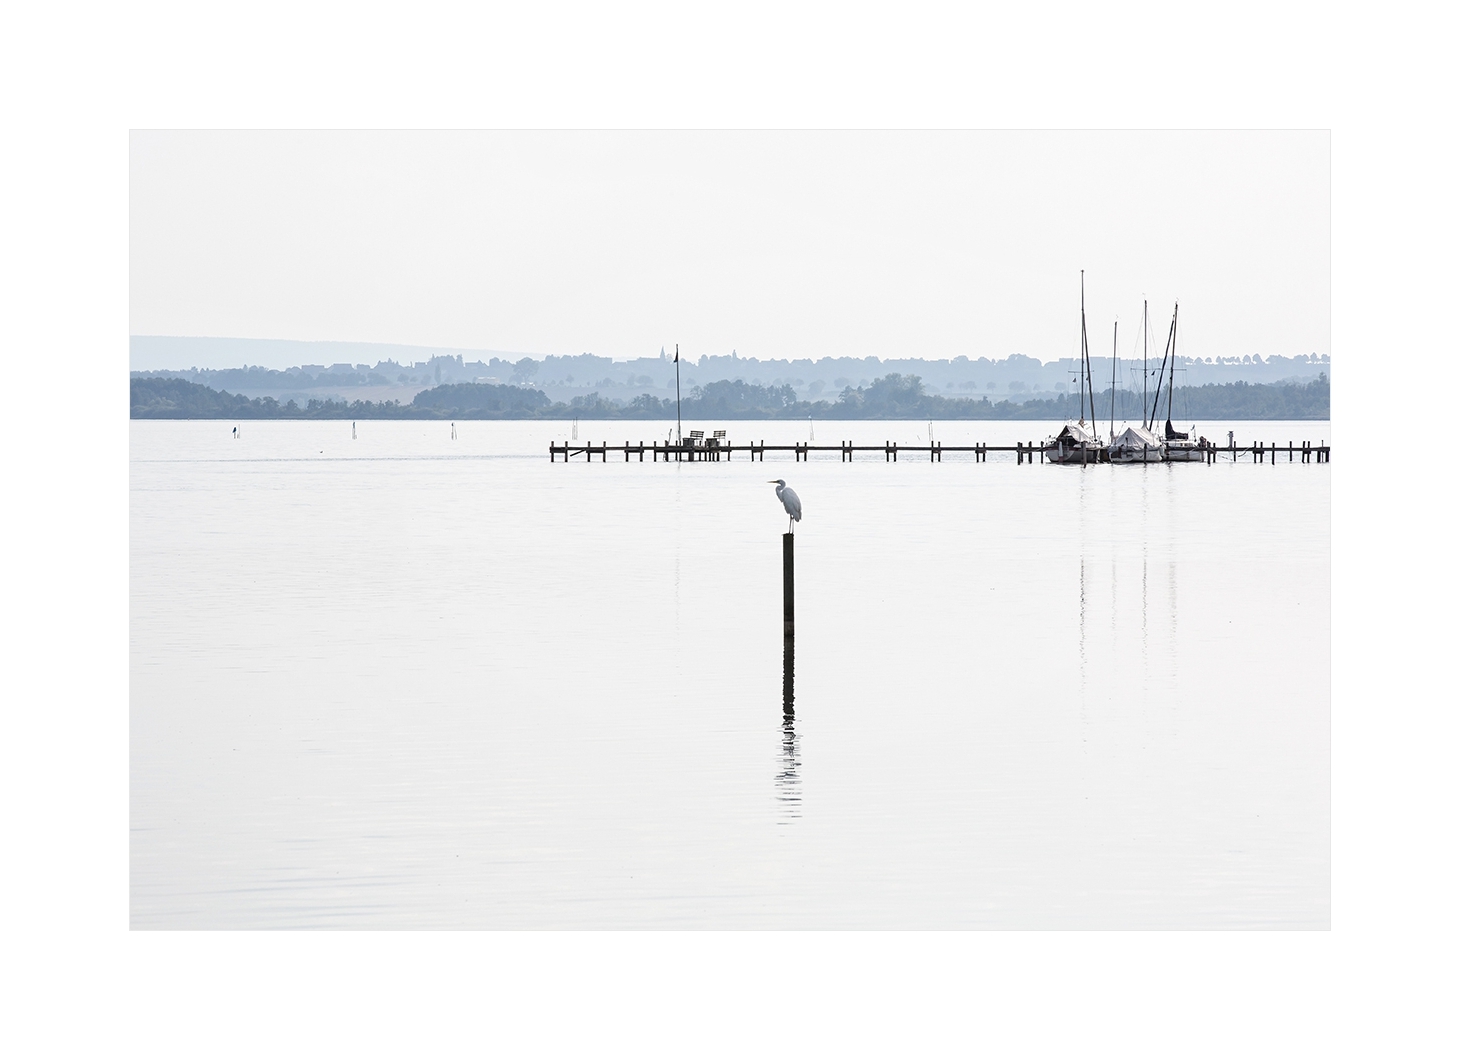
[{"x": 687, "y": 357}]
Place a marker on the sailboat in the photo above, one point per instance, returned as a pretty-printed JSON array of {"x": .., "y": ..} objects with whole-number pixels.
[
  {"x": 1137, "y": 445},
  {"x": 1076, "y": 443},
  {"x": 1180, "y": 449}
]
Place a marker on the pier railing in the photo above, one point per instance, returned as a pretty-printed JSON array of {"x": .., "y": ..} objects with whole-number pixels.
[{"x": 1024, "y": 452}]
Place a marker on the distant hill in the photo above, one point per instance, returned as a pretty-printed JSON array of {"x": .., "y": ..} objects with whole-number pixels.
[
  {"x": 350, "y": 371},
  {"x": 893, "y": 396}
]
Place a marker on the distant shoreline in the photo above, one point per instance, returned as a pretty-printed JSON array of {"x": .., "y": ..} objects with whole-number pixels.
[{"x": 893, "y": 397}]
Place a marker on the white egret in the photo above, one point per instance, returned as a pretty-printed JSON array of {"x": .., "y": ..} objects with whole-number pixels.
[{"x": 787, "y": 496}]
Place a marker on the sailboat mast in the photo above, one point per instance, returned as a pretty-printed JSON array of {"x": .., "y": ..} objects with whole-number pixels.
[
  {"x": 1171, "y": 390},
  {"x": 678, "y": 416},
  {"x": 1114, "y": 354},
  {"x": 1085, "y": 341},
  {"x": 1084, "y": 352},
  {"x": 1161, "y": 376},
  {"x": 1145, "y": 344}
]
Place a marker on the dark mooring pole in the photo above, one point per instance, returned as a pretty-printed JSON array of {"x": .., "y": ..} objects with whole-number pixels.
[
  {"x": 788, "y": 582},
  {"x": 788, "y": 612}
]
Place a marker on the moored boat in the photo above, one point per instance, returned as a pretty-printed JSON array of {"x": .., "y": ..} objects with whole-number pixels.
[
  {"x": 1077, "y": 443},
  {"x": 1137, "y": 445},
  {"x": 1180, "y": 449}
]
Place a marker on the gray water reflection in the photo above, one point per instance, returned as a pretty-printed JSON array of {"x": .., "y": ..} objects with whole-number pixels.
[
  {"x": 435, "y": 687},
  {"x": 788, "y": 780}
]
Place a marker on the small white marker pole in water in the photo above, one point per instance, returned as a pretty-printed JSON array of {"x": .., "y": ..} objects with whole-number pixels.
[
  {"x": 352, "y": 430},
  {"x": 453, "y": 431}
]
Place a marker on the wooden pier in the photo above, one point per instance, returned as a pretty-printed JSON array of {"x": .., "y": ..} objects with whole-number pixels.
[{"x": 1024, "y": 452}]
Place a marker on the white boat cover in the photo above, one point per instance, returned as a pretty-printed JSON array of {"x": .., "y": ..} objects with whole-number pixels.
[
  {"x": 1136, "y": 438},
  {"x": 1074, "y": 434}
]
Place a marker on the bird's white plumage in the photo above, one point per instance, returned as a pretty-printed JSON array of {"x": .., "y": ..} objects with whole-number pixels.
[{"x": 787, "y": 496}]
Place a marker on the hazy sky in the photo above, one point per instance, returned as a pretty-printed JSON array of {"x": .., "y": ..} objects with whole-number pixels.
[{"x": 775, "y": 244}]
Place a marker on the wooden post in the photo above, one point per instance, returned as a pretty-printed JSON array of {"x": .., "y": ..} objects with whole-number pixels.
[
  {"x": 788, "y": 584},
  {"x": 788, "y": 681}
]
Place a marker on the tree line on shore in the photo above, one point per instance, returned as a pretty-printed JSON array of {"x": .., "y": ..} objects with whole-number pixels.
[{"x": 891, "y": 397}]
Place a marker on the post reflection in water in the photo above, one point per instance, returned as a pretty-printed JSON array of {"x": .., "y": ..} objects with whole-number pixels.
[{"x": 788, "y": 782}]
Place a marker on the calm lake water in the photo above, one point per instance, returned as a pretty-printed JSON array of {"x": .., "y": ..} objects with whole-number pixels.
[{"x": 408, "y": 681}]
